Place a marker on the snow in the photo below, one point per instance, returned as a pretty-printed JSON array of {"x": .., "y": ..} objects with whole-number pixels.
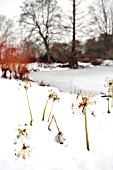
[
  {"x": 73, "y": 80},
  {"x": 107, "y": 63},
  {"x": 45, "y": 153}
]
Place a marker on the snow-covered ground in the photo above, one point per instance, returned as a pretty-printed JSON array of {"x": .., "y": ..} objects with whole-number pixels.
[
  {"x": 45, "y": 153},
  {"x": 73, "y": 80}
]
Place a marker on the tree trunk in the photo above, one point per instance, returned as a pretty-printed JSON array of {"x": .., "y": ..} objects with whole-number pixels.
[
  {"x": 48, "y": 50},
  {"x": 73, "y": 58}
]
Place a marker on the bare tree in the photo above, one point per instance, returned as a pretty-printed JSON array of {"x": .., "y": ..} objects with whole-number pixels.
[
  {"x": 75, "y": 27},
  {"x": 6, "y": 30},
  {"x": 73, "y": 37},
  {"x": 42, "y": 21},
  {"x": 73, "y": 59},
  {"x": 101, "y": 22}
]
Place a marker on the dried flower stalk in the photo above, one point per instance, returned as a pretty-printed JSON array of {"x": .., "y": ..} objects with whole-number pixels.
[
  {"x": 26, "y": 85},
  {"x": 85, "y": 101},
  {"x": 53, "y": 118},
  {"x": 83, "y": 105},
  {"x": 25, "y": 150},
  {"x": 109, "y": 86},
  {"x": 53, "y": 96},
  {"x": 59, "y": 137}
]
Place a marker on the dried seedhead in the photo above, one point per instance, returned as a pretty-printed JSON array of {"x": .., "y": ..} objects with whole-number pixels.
[
  {"x": 22, "y": 132},
  {"x": 24, "y": 150},
  {"x": 79, "y": 100},
  {"x": 25, "y": 84},
  {"x": 109, "y": 85},
  {"x": 85, "y": 100},
  {"x": 53, "y": 95}
]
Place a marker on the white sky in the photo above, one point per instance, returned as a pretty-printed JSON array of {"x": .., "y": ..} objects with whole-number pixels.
[{"x": 11, "y": 8}]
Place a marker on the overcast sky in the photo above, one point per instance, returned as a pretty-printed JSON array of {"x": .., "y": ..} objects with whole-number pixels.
[{"x": 11, "y": 8}]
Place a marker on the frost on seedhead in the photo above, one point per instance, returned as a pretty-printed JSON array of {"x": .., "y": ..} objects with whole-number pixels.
[
  {"x": 23, "y": 150},
  {"x": 84, "y": 101},
  {"x": 26, "y": 85},
  {"x": 109, "y": 85}
]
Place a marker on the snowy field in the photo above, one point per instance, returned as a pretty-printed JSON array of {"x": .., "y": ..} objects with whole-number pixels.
[
  {"x": 36, "y": 144},
  {"x": 71, "y": 81}
]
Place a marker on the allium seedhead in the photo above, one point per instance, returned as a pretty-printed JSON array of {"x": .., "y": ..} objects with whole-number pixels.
[
  {"x": 24, "y": 152},
  {"x": 85, "y": 100},
  {"x": 25, "y": 84},
  {"x": 22, "y": 132},
  {"x": 109, "y": 83},
  {"x": 109, "y": 86},
  {"x": 53, "y": 96}
]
